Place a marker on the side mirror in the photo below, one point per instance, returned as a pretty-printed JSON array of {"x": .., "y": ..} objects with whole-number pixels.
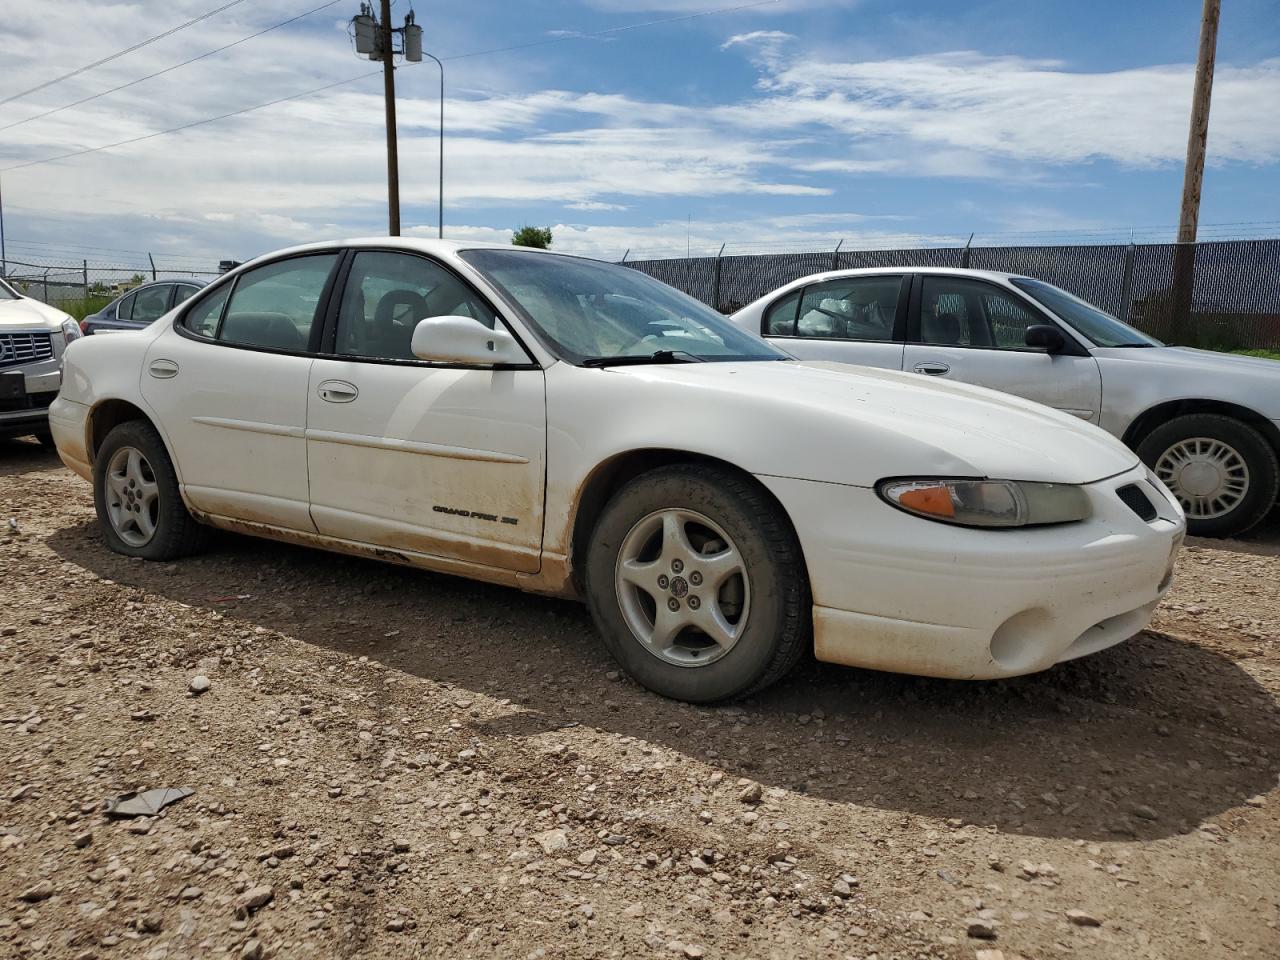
[
  {"x": 1046, "y": 337},
  {"x": 464, "y": 340}
]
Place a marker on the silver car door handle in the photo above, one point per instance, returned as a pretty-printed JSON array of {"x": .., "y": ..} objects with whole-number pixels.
[
  {"x": 162, "y": 369},
  {"x": 933, "y": 368},
  {"x": 338, "y": 391}
]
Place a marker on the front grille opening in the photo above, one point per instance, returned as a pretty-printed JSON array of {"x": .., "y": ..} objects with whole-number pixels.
[
  {"x": 1137, "y": 501},
  {"x": 18, "y": 348}
]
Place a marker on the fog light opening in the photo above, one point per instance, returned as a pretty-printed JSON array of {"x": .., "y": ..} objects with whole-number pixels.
[{"x": 1019, "y": 643}]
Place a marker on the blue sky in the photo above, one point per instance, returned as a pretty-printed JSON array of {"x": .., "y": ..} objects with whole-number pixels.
[{"x": 785, "y": 125}]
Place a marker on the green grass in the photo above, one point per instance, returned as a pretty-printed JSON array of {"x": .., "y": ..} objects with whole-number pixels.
[
  {"x": 82, "y": 308},
  {"x": 1264, "y": 354}
]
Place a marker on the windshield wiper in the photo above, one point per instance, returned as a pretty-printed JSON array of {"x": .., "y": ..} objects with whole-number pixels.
[{"x": 628, "y": 360}]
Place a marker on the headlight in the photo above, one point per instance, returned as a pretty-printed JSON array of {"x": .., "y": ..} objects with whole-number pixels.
[
  {"x": 987, "y": 503},
  {"x": 71, "y": 330}
]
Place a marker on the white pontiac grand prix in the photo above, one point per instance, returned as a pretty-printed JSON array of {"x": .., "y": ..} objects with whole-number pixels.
[{"x": 571, "y": 427}]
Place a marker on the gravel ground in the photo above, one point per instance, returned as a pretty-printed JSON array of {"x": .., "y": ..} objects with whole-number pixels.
[{"x": 394, "y": 764}]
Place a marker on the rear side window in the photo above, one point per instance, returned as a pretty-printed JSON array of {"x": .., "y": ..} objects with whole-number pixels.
[
  {"x": 275, "y": 305},
  {"x": 203, "y": 318},
  {"x": 150, "y": 304},
  {"x": 124, "y": 309},
  {"x": 780, "y": 319},
  {"x": 183, "y": 292},
  {"x": 853, "y": 308}
]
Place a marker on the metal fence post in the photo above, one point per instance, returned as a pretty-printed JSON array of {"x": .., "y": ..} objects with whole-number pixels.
[
  {"x": 86, "y": 281},
  {"x": 835, "y": 254},
  {"x": 45, "y": 298},
  {"x": 715, "y": 280},
  {"x": 624, "y": 255},
  {"x": 1126, "y": 283},
  {"x": 153, "y": 265},
  {"x": 964, "y": 254}
]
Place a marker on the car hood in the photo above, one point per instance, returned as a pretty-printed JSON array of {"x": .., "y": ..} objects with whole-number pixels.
[
  {"x": 839, "y": 423},
  {"x": 1203, "y": 361},
  {"x": 29, "y": 313}
]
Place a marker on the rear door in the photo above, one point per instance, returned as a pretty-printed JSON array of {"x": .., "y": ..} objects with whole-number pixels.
[
  {"x": 228, "y": 382},
  {"x": 860, "y": 319},
  {"x": 442, "y": 459},
  {"x": 973, "y": 330}
]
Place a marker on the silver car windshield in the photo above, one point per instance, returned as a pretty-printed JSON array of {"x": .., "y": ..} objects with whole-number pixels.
[
  {"x": 596, "y": 313},
  {"x": 1100, "y": 327}
]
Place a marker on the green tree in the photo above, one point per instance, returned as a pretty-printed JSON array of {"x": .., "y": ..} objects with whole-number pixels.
[{"x": 528, "y": 236}]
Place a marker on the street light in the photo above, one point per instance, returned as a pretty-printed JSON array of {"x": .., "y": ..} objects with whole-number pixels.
[
  {"x": 375, "y": 38},
  {"x": 440, "y": 201}
]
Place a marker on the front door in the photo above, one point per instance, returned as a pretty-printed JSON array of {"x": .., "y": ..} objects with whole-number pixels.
[
  {"x": 438, "y": 459},
  {"x": 974, "y": 331},
  {"x": 228, "y": 383}
]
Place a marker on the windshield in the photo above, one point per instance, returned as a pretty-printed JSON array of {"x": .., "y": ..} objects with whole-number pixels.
[
  {"x": 591, "y": 311},
  {"x": 1100, "y": 327},
  {"x": 7, "y": 292}
]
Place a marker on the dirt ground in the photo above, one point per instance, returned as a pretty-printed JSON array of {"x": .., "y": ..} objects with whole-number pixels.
[{"x": 393, "y": 764}]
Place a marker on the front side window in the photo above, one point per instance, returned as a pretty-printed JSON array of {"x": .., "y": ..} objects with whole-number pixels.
[
  {"x": 387, "y": 294},
  {"x": 780, "y": 320},
  {"x": 150, "y": 303},
  {"x": 1101, "y": 328},
  {"x": 592, "y": 312},
  {"x": 854, "y": 308},
  {"x": 275, "y": 305},
  {"x": 961, "y": 312}
]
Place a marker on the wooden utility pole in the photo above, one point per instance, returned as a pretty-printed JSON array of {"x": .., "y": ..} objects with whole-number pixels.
[
  {"x": 1193, "y": 176},
  {"x": 389, "y": 93}
]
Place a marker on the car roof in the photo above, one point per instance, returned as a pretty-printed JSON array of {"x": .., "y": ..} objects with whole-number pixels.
[{"x": 427, "y": 245}]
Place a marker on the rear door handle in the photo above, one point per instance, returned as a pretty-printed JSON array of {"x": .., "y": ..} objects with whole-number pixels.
[
  {"x": 161, "y": 369},
  {"x": 933, "y": 368},
  {"x": 337, "y": 391}
]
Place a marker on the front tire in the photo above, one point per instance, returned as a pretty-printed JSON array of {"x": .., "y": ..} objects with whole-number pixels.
[
  {"x": 135, "y": 493},
  {"x": 1222, "y": 471},
  {"x": 697, "y": 584}
]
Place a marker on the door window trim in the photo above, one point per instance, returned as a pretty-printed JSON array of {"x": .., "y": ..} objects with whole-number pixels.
[
  {"x": 896, "y": 335},
  {"x": 1071, "y": 348},
  {"x": 327, "y": 347},
  {"x": 233, "y": 280}
]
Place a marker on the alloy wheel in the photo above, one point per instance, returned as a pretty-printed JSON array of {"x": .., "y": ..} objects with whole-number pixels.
[
  {"x": 132, "y": 496},
  {"x": 682, "y": 587}
]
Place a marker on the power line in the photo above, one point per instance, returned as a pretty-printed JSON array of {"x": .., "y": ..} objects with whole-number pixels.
[
  {"x": 158, "y": 73},
  {"x": 338, "y": 83},
  {"x": 120, "y": 53},
  {"x": 188, "y": 126}
]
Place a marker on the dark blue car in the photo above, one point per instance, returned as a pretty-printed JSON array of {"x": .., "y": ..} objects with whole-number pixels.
[{"x": 140, "y": 306}]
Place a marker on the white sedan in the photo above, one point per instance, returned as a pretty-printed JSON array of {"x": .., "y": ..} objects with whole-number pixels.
[
  {"x": 1207, "y": 423},
  {"x": 575, "y": 428}
]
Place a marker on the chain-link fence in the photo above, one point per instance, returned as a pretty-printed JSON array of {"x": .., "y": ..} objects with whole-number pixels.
[
  {"x": 1235, "y": 301},
  {"x": 87, "y": 285}
]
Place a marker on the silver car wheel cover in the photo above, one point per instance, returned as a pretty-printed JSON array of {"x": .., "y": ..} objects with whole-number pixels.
[
  {"x": 1208, "y": 477},
  {"x": 132, "y": 496},
  {"x": 682, "y": 587}
]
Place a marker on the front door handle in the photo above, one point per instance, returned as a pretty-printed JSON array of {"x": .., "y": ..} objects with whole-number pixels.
[
  {"x": 932, "y": 368},
  {"x": 337, "y": 391},
  {"x": 162, "y": 369}
]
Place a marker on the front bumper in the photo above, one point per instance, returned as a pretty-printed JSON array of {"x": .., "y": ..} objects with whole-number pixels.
[
  {"x": 69, "y": 424},
  {"x": 39, "y": 382},
  {"x": 900, "y": 593}
]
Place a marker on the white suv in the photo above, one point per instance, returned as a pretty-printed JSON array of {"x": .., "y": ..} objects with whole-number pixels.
[
  {"x": 1207, "y": 423},
  {"x": 32, "y": 338}
]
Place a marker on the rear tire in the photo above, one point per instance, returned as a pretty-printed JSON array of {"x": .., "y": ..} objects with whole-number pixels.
[
  {"x": 687, "y": 546},
  {"x": 135, "y": 492},
  {"x": 1222, "y": 471}
]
